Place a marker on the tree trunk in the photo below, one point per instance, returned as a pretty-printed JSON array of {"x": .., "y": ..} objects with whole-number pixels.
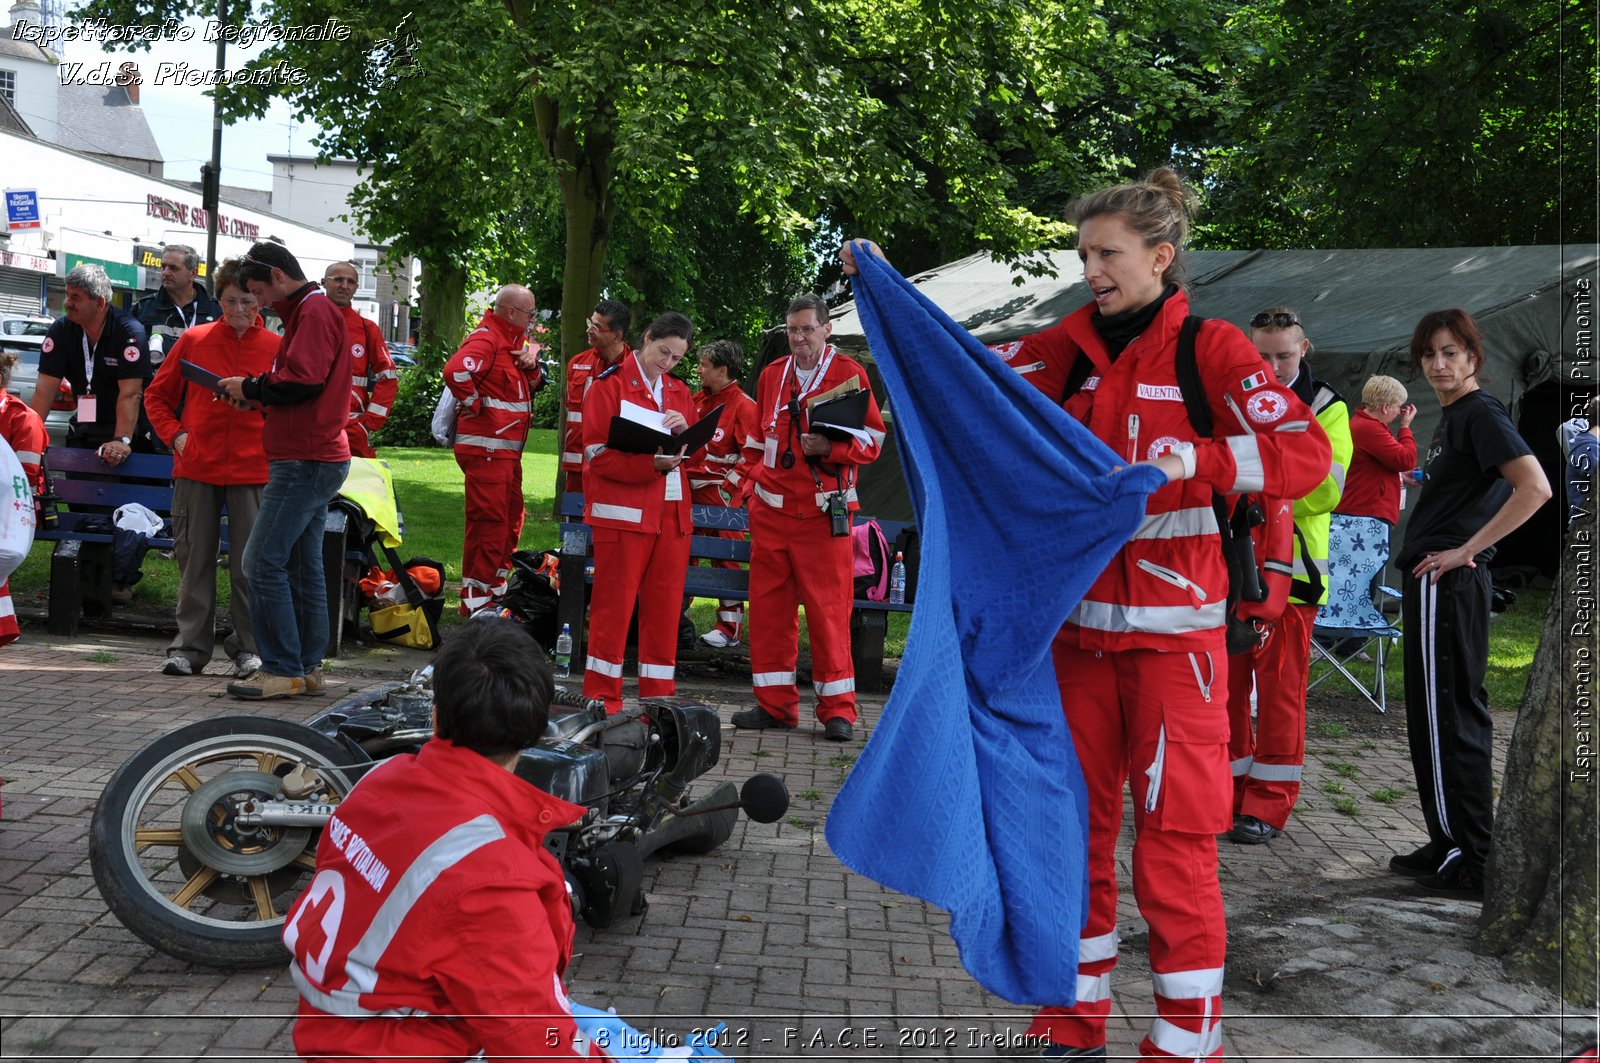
[
  {"x": 444, "y": 304},
  {"x": 1540, "y": 913}
]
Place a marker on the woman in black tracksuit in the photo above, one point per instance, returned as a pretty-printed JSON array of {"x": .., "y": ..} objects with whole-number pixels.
[{"x": 1480, "y": 482}]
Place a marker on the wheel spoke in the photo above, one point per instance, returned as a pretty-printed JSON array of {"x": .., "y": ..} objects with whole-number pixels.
[
  {"x": 144, "y": 837},
  {"x": 267, "y": 762},
  {"x": 191, "y": 889},
  {"x": 265, "y": 909},
  {"x": 187, "y": 778}
]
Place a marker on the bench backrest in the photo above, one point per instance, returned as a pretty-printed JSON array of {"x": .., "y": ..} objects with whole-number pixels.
[{"x": 92, "y": 488}]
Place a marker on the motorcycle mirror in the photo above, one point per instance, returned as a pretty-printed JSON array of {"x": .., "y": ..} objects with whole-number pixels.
[{"x": 764, "y": 798}]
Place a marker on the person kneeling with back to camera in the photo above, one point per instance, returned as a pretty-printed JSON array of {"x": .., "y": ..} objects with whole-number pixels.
[{"x": 437, "y": 924}]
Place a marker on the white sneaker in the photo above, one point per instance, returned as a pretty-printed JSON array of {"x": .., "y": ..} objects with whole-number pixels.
[
  {"x": 718, "y": 639},
  {"x": 245, "y": 663},
  {"x": 177, "y": 664}
]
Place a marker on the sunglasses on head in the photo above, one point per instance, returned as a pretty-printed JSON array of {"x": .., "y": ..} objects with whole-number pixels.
[{"x": 1265, "y": 320}]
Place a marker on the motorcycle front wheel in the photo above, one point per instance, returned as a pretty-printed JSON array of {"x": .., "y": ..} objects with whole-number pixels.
[{"x": 175, "y": 866}]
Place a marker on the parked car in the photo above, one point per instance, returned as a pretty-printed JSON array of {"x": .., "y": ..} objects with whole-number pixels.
[
  {"x": 404, "y": 355},
  {"x": 24, "y": 325},
  {"x": 25, "y": 374}
]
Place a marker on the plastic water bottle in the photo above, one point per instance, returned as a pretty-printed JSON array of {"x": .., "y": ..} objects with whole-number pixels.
[
  {"x": 564, "y": 652},
  {"x": 897, "y": 580}
]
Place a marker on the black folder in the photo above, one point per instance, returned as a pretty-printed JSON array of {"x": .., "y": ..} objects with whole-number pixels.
[
  {"x": 631, "y": 437},
  {"x": 846, "y": 411},
  {"x": 204, "y": 377}
]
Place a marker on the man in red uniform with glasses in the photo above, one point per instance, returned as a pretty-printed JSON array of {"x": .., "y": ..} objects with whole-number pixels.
[
  {"x": 803, "y": 488},
  {"x": 607, "y": 335}
]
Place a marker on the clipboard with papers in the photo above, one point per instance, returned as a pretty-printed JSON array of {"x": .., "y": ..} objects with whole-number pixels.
[
  {"x": 637, "y": 430},
  {"x": 840, "y": 416},
  {"x": 204, "y": 377}
]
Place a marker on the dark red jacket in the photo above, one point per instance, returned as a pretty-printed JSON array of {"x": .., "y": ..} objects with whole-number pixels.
[
  {"x": 224, "y": 445},
  {"x": 307, "y": 391},
  {"x": 1372, "y": 486}
]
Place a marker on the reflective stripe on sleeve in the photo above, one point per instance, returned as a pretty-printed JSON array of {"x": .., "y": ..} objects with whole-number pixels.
[
  {"x": 1250, "y": 475},
  {"x": 575, "y": 416},
  {"x": 511, "y": 407},
  {"x": 461, "y": 378},
  {"x": 569, "y": 456},
  {"x": 27, "y": 457},
  {"x": 376, "y": 410},
  {"x": 358, "y": 381},
  {"x": 1274, "y": 773}
]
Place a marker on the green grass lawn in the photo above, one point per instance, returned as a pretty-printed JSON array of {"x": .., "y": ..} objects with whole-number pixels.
[{"x": 1513, "y": 639}]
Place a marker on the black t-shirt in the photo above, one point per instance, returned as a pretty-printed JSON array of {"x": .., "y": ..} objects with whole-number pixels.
[
  {"x": 1462, "y": 488},
  {"x": 121, "y": 354}
]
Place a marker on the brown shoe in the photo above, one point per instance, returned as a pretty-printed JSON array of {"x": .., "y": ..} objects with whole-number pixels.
[
  {"x": 316, "y": 683},
  {"x": 264, "y": 686}
]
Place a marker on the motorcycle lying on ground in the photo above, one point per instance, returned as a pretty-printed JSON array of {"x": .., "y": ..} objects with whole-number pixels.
[{"x": 203, "y": 839}]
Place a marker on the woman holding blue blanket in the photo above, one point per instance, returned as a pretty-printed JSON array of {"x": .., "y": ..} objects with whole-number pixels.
[{"x": 1141, "y": 661}]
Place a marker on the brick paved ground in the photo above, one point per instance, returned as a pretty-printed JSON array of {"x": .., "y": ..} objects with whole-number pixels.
[{"x": 1329, "y": 957}]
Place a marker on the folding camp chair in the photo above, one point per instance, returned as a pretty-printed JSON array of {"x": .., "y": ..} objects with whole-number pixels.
[{"x": 1353, "y": 620}]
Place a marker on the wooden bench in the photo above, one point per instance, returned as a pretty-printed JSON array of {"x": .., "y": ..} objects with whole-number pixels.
[
  {"x": 80, "y": 564},
  {"x": 869, "y": 620}
]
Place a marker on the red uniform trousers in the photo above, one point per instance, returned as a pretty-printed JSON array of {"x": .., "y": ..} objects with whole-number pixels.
[
  {"x": 1267, "y": 764},
  {"x": 495, "y": 512},
  {"x": 730, "y": 614},
  {"x": 795, "y": 560},
  {"x": 636, "y": 567},
  {"x": 1143, "y": 716},
  {"x": 574, "y": 483},
  {"x": 10, "y": 631}
]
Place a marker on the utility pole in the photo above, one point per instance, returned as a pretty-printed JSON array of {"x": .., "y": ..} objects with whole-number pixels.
[{"x": 211, "y": 172}]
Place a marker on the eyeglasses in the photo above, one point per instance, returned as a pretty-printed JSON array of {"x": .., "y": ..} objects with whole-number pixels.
[
  {"x": 801, "y": 330},
  {"x": 598, "y": 326},
  {"x": 524, "y": 311},
  {"x": 239, "y": 301},
  {"x": 1266, "y": 320}
]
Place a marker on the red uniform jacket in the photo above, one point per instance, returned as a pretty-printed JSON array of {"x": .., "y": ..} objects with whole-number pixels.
[
  {"x": 476, "y": 920},
  {"x": 1372, "y": 486},
  {"x": 713, "y": 473},
  {"x": 1167, "y": 588},
  {"x": 581, "y": 372},
  {"x": 307, "y": 390},
  {"x": 794, "y": 490},
  {"x": 622, "y": 490},
  {"x": 496, "y": 394},
  {"x": 224, "y": 445},
  {"x": 373, "y": 381},
  {"x": 23, "y": 429}
]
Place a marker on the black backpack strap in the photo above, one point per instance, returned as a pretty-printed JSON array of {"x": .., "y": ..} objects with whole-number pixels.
[
  {"x": 1188, "y": 368},
  {"x": 413, "y": 592},
  {"x": 1082, "y": 369},
  {"x": 1308, "y": 589}
]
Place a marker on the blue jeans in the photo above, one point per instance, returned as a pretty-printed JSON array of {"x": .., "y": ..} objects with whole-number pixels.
[{"x": 288, "y": 600}]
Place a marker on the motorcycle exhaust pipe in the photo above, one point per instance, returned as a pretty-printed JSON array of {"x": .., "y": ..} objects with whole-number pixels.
[{"x": 764, "y": 798}]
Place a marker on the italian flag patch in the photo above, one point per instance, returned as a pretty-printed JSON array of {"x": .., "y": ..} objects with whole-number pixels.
[{"x": 1250, "y": 383}]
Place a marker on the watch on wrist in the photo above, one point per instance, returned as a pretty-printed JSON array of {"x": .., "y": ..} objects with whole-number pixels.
[{"x": 126, "y": 441}]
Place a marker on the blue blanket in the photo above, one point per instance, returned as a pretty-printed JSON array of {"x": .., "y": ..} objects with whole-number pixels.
[{"x": 968, "y": 794}]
